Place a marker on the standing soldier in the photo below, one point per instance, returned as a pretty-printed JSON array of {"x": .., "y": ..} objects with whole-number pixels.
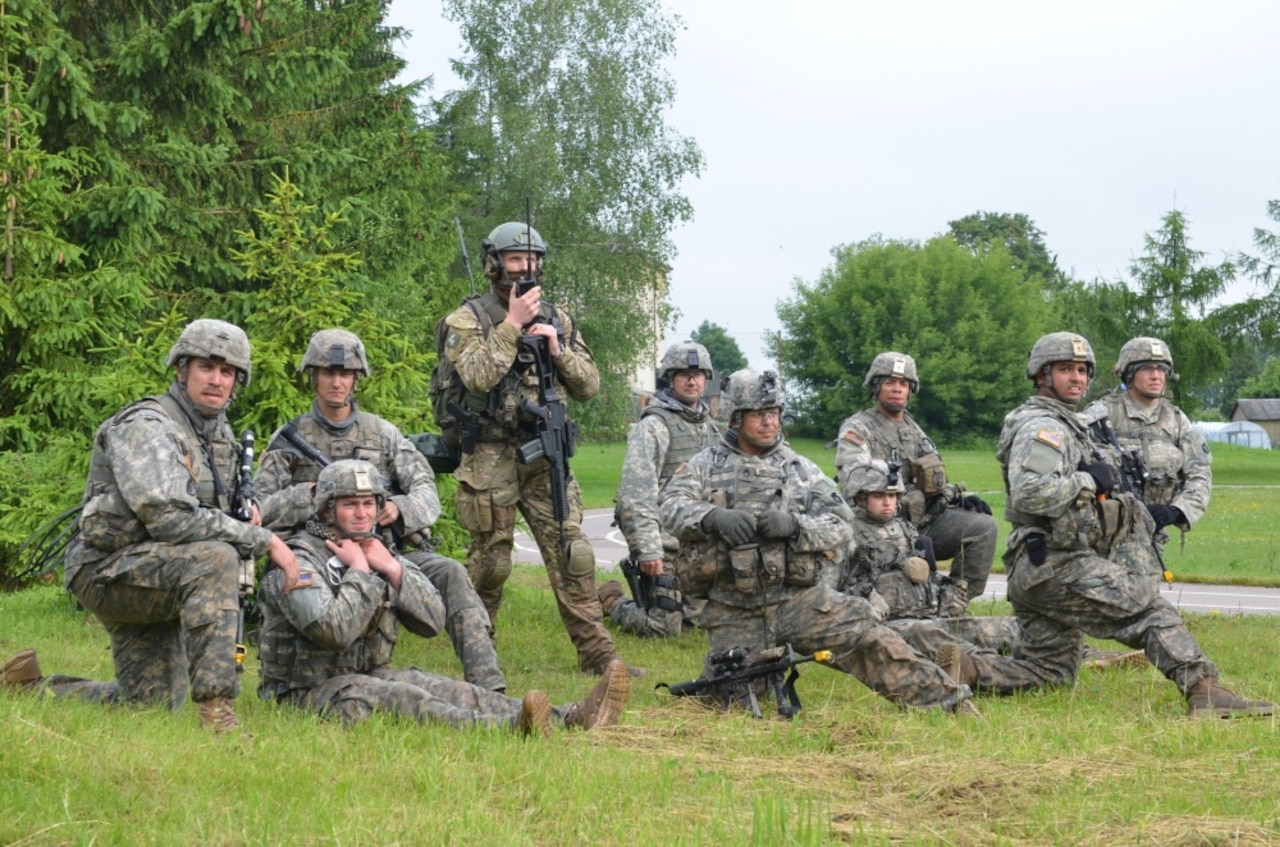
[
  {"x": 960, "y": 525},
  {"x": 672, "y": 429},
  {"x": 158, "y": 556},
  {"x": 336, "y": 428},
  {"x": 763, "y": 536},
  {"x": 1069, "y": 516},
  {"x": 483, "y": 343},
  {"x": 1175, "y": 453}
]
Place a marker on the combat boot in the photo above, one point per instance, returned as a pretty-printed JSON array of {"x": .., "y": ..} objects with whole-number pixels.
[
  {"x": 967, "y": 709},
  {"x": 22, "y": 670},
  {"x": 610, "y": 594},
  {"x": 605, "y": 702},
  {"x": 958, "y": 664},
  {"x": 1108, "y": 659},
  {"x": 535, "y": 714},
  {"x": 1208, "y": 699},
  {"x": 218, "y": 715}
]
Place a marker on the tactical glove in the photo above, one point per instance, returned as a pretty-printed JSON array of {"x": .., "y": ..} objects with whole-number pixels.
[
  {"x": 974, "y": 503},
  {"x": 1165, "y": 515},
  {"x": 1105, "y": 476},
  {"x": 776, "y": 524},
  {"x": 733, "y": 525}
]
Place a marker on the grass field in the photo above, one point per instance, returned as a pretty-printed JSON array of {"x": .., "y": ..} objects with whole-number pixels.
[{"x": 1236, "y": 542}]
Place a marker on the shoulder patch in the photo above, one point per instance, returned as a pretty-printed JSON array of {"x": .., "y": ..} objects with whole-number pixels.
[
  {"x": 1048, "y": 436},
  {"x": 854, "y": 437},
  {"x": 451, "y": 341}
]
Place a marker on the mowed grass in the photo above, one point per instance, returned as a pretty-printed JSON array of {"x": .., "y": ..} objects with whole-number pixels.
[
  {"x": 1236, "y": 542},
  {"x": 1112, "y": 760}
]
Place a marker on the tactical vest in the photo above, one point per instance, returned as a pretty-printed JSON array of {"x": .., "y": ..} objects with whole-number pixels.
[
  {"x": 755, "y": 574},
  {"x": 880, "y": 550},
  {"x": 884, "y": 436},
  {"x": 688, "y": 437},
  {"x": 361, "y": 440},
  {"x": 1157, "y": 443},
  {"x": 291, "y": 663}
]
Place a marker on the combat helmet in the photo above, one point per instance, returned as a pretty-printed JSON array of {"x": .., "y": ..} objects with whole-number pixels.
[
  {"x": 335, "y": 348},
  {"x": 749, "y": 389},
  {"x": 875, "y": 477},
  {"x": 512, "y": 235},
  {"x": 207, "y": 338},
  {"x": 683, "y": 356},
  {"x": 892, "y": 364},
  {"x": 1140, "y": 351},
  {"x": 347, "y": 478},
  {"x": 1059, "y": 347}
]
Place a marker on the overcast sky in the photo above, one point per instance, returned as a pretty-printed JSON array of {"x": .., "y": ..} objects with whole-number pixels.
[{"x": 823, "y": 123}]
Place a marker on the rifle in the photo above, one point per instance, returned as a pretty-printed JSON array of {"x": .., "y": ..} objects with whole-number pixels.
[
  {"x": 644, "y": 588},
  {"x": 244, "y": 512},
  {"x": 732, "y": 678},
  {"x": 290, "y": 433},
  {"x": 557, "y": 435},
  {"x": 1133, "y": 472}
]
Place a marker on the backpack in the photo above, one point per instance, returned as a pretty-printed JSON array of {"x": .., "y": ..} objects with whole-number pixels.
[{"x": 446, "y": 385}]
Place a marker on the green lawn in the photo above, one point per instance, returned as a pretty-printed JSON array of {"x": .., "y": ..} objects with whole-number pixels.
[{"x": 1237, "y": 541}]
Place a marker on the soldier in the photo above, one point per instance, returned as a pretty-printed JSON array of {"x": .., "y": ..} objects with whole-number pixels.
[
  {"x": 327, "y": 646},
  {"x": 673, "y": 427},
  {"x": 158, "y": 555},
  {"x": 1175, "y": 453},
  {"x": 763, "y": 536},
  {"x": 336, "y": 428},
  {"x": 483, "y": 342},
  {"x": 1065, "y": 575},
  {"x": 959, "y": 525}
]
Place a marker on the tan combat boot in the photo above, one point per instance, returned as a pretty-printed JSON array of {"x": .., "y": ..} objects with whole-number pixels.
[
  {"x": 1208, "y": 699},
  {"x": 605, "y": 702},
  {"x": 958, "y": 664},
  {"x": 535, "y": 714},
  {"x": 610, "y": 594},
  {"x": 218, "y": 715},
  {"x": 22, "y": 670}
]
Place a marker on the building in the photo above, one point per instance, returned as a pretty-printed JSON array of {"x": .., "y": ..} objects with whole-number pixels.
[{"x": 1263, "y": 412}]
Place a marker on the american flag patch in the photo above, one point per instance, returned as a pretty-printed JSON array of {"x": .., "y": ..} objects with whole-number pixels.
[
  {"x": 1050, "y": 437},
  {"x": 854, "y": 438}
]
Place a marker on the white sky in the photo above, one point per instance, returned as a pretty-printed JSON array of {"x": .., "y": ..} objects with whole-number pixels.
[{"x": 824, "y": 122}]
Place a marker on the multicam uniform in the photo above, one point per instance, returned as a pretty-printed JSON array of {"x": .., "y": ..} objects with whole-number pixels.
[
  {"x": 492, "y": 484},
  {"x": 968, "y": 538},
  {"x": 158, "y": 556},
  {"x": 783, "y": 591},
  {"x": 1062, "y": 583},
  {"x": 668, "y": 434},
  {"x": 284, "y": 482},
  {"x": 327, "y": 645}
]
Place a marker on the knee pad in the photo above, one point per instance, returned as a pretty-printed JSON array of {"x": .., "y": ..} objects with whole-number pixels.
[{"x": 581, "y": 559}]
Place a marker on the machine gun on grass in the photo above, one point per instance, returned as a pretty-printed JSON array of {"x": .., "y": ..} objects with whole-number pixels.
[{"x": 733, "y": 679}]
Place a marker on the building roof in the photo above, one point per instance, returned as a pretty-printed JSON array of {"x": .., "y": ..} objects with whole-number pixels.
[{"x": 1258, "y": 410}]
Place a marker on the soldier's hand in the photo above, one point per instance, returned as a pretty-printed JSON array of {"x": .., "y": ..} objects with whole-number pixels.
[
  {"x": 548, "y": 332},
  {"x": 349, "y": 553},
  {"x": 1105, "y": 476},
  {"x": 522, "y": 310},
  {"x": 389, "y": 514},
  {"x": 653, "y": 567},
  {"x": 733, "y": 525},
  {"x": 777, "y": 524},
  {"x": 282, "y": 555},
  {"x": 1165, "y": 515},
  {"x": 974, "y": 503}
]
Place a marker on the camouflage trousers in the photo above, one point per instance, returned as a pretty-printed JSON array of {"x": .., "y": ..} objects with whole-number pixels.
[
  {"x": 997, "y": 633},
  {"x": 650, "y": 623},
  {"x": 821, "y": 618},
  {"x": 968, "y": 539},
  {"x": 492, "y": 486},
  {"x": 171, "y": 611},
  {"x": 997, "y": 674},
  {"x": 466, "y": 620},
  {"x": 411, "y": 693},
  {"x": 1078, "y": 593}
]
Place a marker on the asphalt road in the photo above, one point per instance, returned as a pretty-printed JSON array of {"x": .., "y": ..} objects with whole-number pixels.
[{"x": 1211, "y": 599}]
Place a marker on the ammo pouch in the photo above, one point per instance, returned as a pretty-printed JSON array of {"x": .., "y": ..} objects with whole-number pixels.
[
  {"x": 696, "y": 568},
  {"x": 108, "y": 524},
  {"x": 929, "y": 473},
  {"x": 1113, "y": 516},
  {"x": 742, "y": 567},
  {"x": 755, "y": 565}
]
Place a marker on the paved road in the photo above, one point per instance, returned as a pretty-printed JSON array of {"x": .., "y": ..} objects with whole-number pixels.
[{"x": 1220, "y": 599}]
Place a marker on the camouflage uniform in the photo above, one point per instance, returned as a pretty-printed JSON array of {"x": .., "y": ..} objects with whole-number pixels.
[
  {"x": 284, "y": 481},
  {"x": 668, "y": 434},
  {"x": 784, "y": 591},
  {"x": 158, "y": 557},
  {"x": 968, "y": 538},
  {"x": 327, "y": 645},
  {"x": 492, "y": 484},
  {"x": 1081, "y": 585}
]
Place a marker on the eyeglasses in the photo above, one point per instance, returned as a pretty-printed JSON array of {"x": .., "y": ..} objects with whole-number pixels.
[
  {"x": 689, "y": 374},
  {"x": 764, "y": 414}
]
